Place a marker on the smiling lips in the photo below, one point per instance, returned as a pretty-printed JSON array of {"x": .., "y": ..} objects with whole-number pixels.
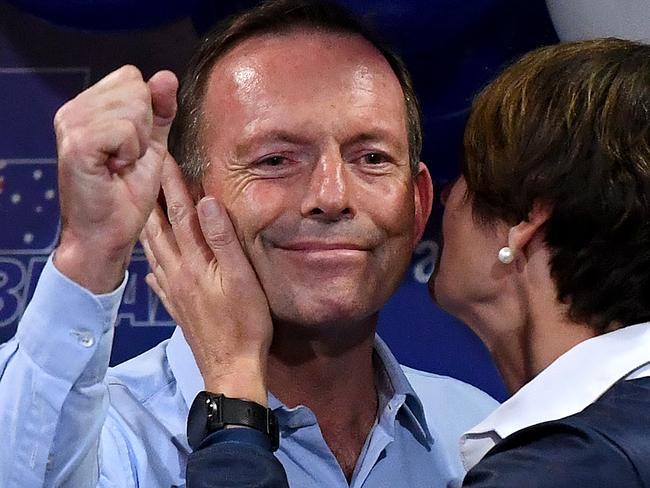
[
  {"x": 319, "y": 250},
  {"x": 317, "y": 246}
]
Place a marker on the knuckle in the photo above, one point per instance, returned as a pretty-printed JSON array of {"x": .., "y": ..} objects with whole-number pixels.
[
  {"x": 125, "y": 136},
  {"x": 141, "y": 108},
  {"x": 69, "y": 143},
  {"x": 63, "y": 145},
  {"x": 142, "y": 118},
  {"x": 140, "y": 95},
  {"x": 176, "y": 212},
  {"x": 129, "y": 72},
  {"x": 218, "y": 239},
  {"x": 125, "y": 129},
  {"x": 67, "y": 116},
  {"x": 60, "y": 118},
  {"x": 154, "y": 233}
]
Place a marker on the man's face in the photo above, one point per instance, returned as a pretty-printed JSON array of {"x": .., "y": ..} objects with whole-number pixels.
[{"x": 306, "y": 136}]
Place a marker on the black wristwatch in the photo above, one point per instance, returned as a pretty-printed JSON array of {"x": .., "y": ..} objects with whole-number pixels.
[{"x": 211, "y": 412}]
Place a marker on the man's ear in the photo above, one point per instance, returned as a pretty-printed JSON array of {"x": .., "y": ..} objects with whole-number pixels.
[
  {"x": 423, "y": 194},
  {"x": 521, "y": 234}
]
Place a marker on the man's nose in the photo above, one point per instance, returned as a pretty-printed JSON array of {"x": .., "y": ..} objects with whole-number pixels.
[{"x": 328, "y": 194}]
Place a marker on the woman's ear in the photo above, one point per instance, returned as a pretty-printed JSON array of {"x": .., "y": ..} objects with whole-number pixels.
[{"x": 521, "y": 234}]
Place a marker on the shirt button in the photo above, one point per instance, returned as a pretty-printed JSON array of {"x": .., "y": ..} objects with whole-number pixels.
[{"x": 84, "y": 338}]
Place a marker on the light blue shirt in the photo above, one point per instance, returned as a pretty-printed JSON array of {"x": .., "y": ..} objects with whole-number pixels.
[{"x": 67, "y": 419}]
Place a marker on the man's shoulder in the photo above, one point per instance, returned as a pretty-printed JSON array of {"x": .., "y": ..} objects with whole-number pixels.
[
  {"x": 446, "y": 391},
  {"x": 450, "y": 405}
]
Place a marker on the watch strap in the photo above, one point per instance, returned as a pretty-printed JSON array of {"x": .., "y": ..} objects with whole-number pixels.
[{"x": 221, "y": 411}]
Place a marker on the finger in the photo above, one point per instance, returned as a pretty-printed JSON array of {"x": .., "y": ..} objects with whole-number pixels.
[
  {"x": 160, "y": 241},
  {"x": 130, "y": 100},
  {"x": 221, "y": 238},
  {"x": 156, "y": 269},
  {"x": 121, "y": 144},
  {"x": 128, "y": 72},
  {"x": 163, "y": 86},
  {"x": 183, "y": 218},
  {"x": 123, "y": 94},
  {"x": 152, "y": 281},
  {"x": 108, "y": 139}
]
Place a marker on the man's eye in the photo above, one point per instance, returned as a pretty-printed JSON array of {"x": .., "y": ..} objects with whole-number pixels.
[
  {"x": 374, "y": 158},
  {"x": 272, "y": 161},
  {"x": 276, "y": 166}
]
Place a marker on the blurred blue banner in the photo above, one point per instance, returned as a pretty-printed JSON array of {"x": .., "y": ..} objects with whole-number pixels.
[{"x": 453, "y": 48}]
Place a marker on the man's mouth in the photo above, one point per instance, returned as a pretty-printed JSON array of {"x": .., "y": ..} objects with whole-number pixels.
[
  {"x": 320, "y": 246},
  {"x": 330, "y": 253}
]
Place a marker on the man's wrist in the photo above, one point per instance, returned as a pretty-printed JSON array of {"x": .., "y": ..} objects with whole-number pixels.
[
  {"x": 246, "y": 379},
  {"x": 244, "y": 389},
  {"x": 95, "y": 269}
]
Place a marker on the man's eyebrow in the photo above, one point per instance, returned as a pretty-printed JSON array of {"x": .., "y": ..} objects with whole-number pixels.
[
  {"x": 248, "y": 144},
  {"x": 377, "y": 135}
]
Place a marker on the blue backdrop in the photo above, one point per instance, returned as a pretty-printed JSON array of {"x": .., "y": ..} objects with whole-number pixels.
[{"x": 453, "y": 48}]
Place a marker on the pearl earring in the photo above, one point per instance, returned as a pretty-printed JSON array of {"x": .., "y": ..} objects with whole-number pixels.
[{"x": 506, "y": 256}]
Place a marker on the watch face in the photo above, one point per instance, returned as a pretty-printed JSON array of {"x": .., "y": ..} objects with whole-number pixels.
[{"x": 197, "y": 420}]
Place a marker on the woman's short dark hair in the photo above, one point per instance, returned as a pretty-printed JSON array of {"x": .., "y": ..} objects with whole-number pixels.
[
  {"x": 272, "y": 17},
  {"x": 568, "y": 126}
]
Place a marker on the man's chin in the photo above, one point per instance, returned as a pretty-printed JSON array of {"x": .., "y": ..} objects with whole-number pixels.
[{"x": 325, "y": 316}]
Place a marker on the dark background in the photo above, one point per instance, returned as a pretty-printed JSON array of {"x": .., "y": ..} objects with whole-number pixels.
[{"x": 52, "y": 49}]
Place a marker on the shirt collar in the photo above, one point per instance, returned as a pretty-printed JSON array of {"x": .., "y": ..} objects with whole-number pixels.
[
  {"x": 401, "y": 387},
  {"x": 190, "y": 382},
  {"x": 567, "y": 386}
]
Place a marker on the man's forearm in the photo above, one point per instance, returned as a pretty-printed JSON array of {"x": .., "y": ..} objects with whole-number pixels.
[{"x": 52, "y": 396}]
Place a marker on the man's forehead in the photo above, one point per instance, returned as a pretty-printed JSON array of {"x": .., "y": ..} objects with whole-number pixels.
[
  {"x": 311, "y": 84},
  {"x": 303, "y": 53}
]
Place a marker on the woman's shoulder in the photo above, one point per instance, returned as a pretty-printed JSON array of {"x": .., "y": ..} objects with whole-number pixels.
[{"x": 605, "y": 445}]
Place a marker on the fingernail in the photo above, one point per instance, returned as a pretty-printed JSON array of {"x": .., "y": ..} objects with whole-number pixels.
[{"x": 209, "y": 208}]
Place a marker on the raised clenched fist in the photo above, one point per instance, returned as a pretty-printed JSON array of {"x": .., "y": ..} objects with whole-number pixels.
[{"x": 111, "y": 142}]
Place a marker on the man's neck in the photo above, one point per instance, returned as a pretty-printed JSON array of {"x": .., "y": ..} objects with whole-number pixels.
[{"x": 333, "y": 375}]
